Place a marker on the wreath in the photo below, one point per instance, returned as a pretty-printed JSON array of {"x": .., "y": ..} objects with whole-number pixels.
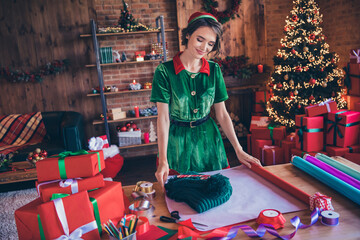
[{"x": 211, "y": 5}]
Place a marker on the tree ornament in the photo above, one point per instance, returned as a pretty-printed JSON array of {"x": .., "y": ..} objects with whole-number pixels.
[
  {"x": 299, "y": 106},
  {"x": 271, "y": 84},
  {"x": 211, "y": 5},
  {"x": 279, "y": 85},
  {"x": 314, "y": 20},
  {"x": 312, "y": 36},
  {"x": 324, "y": 84},
  {"x": 296, "y": 92},
  {"x": 308, "y": 20},
  {"x": 322, "y": 69},
  {"x": 311, "y": 98},
  {"x": 298, "y": 69},
  {"x": 291, "y": 82},
  {"x": 285, "y": 57},
  {"x": 311, "y": 59},
  {"x": 305, "y": 49},
  {"x": 333, "y": 94},
  {"x": 294, "y": 18},
  {"x": 270, "y": 90},
  {"x": 293, "y": 51},
  {"x": 291, "y": 94},
  {"x": 286, "y": 77},
  {"x": 312, "y": 81}
]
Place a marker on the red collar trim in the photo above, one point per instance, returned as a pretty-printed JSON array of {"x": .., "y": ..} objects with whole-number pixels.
[{"x": 205, "y": 68}]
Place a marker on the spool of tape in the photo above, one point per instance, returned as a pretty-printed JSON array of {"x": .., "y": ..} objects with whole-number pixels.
[
  {"x": 145, "y": 212},
  {"x": 143, "y": 189},
  {"x": 271, "y": 216},
  {"x": 146, "y": 187},
  {"x": 330, "y": 218}
]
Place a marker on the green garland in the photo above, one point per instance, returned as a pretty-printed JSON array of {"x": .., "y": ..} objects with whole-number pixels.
[
  {"x": 51, "y": 68},
  {"x": 223, "y": 17}
]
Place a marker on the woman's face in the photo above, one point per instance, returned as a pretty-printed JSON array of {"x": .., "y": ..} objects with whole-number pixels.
[{"x": 201, "y": 42}]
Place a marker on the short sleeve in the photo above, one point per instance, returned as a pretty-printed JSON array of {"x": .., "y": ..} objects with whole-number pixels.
[
  {"x": 220, "y": 88},
  {"x": 160, "y": 87}
]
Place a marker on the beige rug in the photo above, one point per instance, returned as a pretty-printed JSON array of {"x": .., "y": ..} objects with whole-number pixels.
[{"x": 9, "y": 202}]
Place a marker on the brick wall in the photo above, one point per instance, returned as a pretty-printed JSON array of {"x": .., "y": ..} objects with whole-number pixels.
[
  {"x": 340, "y": 25},
  {"x": 146, "y": 11}
]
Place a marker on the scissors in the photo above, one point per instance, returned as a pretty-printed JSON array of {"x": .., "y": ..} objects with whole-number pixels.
[{"x": 175, "y": 218}]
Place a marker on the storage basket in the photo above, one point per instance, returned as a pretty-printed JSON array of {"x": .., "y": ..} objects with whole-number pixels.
[{"x": 129, "y": 138}]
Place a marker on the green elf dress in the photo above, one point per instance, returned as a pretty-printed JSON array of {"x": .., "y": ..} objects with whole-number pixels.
[{"x": 190, "y": 97}]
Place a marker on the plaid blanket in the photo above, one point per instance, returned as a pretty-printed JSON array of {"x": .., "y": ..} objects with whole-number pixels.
[{"x": 20, "y": 130}]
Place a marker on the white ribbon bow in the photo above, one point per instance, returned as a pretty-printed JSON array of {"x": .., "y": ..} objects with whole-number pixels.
[
  {"x": 70, "y": 182},
  {"x": 326, "y": 103},
  {"x": 262, "y": 122},
  {"x": 273, "y": 152},
  {"x": 77, "y": 233},
  {"x": 97, "y": 143},
  {"x": 357, "y": 56}
]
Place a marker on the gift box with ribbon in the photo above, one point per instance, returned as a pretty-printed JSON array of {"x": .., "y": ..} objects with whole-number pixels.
[
  {"x": 272, "y": 155},
  {"x": 257, "y": 145},
  {"x": 320, "y": 201},
  {"x": 321, "y": 108},
  {"x": 269, "y": 133},
  {"x": 287, "y": 146},
  {"x": 353, "y": 73},
  {"x": 291, "y": 137},
  {"x": 70, "y": 165},
  {"x": 355, "y": 55},
  {"x": 342, "y": 128},
  {"x": 353, "y": 103},
  {"x": 259, "y": 121},
  {"x": 353, "y": 157},
  {"x": 309, "y": 133},
  {"x": 98, "y": 143},
  {"x": 261, "y": 97},
  {"x": 341, "y": 151},
  {"x": 301, "y": 153},
  {"x": 69, "y": 186},
  {"x": 27, "y": 221},
  {"x": 70, "y": 217}
]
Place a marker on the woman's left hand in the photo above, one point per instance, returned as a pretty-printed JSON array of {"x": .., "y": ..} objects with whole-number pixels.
[{"x": 247, "y": 159}]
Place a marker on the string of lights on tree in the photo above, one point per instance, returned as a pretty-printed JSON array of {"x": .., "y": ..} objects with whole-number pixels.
[{"x": 306, "y": 71}]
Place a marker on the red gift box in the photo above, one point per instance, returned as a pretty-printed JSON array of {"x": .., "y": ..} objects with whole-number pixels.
[
  {"x": 341, "y": 151},
  {"x": 259, "y": 121},
  {"x": 353, "y": 157},
  {"x": 75, "y": 211},
  {"x": 272, "y": 155},
  {"x": 26, "y": 219},
  {"x": 353, "y": 102},
  {"x": 261, "y": 97},
  {"x": 248, "y": 137},
  {"x": 69, "y": 186},
  {"x": 110, "y": 201},
  {"x": 301, "y": 153},
  {"x": 343, "y": 128},
  {"x": 310, "y": 133},
  {"x": 291, "y": 137},
  {"x": 84, "y": 165},
  {"x": 268, "y": 133},
  {"x": 257, "y": 145},
  {"x": 354, "y": 75},
  {"x": 321, "y": 108},
  {"x": 355, "y": 56},
  {"x": 321, "y": 201},
  {"x": 287, "y": 146}
]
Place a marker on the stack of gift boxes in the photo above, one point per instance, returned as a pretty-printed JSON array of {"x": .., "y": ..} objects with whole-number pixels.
[{"x": 74, "y": 199}]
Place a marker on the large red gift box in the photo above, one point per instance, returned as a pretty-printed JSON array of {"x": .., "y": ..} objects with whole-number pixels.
[
  {"x": 259, "y": 121},
  {"x": 257, "y": 145},
  {"x": 301, "y": 153},
  {"x": 343, "y": 128},
  {"x": 272, "y": 155},
  {"x": 287, "y": 146},
  {"x": 309, "y": 133},
  {"x": 26, "y": 219},
  {"x": 353, "y": 157},
  {"x": 353, "y": 103},
  {"x": 110, "y": 201},
  {"x": 69, "y": 186},
  {"x": 321, "y": 108},
  {"x": 341, "y": 151},
  {"x": 74, "y": 211},
  {"x": 84, "y": 165},
  {"x": 269, "y": 133},
  {"x": 354, "y": 74},
  {"x": 261, "y": 97},
  {"x": 355, "y": 56}
]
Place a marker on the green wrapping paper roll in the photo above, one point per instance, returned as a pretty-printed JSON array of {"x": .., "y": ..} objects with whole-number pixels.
[
  {"x": 342, "y": 167},
  {"x": 342, "y": 187}
]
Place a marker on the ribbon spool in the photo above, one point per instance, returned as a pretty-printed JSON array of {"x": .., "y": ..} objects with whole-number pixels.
[
  {"x": 271, "y": 216},
  {"x": 330, "y": 218},
  {"x": 144, "y": 209},
  {"x": 143, "y": 189}
]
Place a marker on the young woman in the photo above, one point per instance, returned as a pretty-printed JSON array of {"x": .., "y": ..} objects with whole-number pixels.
[{"x": 184, "y": 90}]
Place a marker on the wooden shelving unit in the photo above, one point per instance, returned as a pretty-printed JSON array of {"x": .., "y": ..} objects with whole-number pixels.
[
  {"x": 125, "y": 33},
  {"x": 139, "y": 145},
  {"x": 118, "y": 93},
  {"x": 123, "y": 63},
  {"x": 95, "y": 122}
]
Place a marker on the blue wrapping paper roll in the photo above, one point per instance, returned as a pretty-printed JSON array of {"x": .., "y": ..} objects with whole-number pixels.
[
  {"x": 342, "y": 167},
  {"x": 340, "y": 186}
]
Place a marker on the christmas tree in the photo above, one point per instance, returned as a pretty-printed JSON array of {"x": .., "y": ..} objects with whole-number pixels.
[
  {"x": 152, "y": 135},
  {"x": 305, "y": 70}
]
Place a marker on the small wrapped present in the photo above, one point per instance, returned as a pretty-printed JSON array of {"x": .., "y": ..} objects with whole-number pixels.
[
  {"x": 355, "y": 56},
  {"x": 321, "y": 108},
  {"x": 341, "y": 151},
  {"x": 287, "y": 146},
  {"x": 321, "y": 201},
  {"x": 69, "y": 186},
  {"x": 269, "y": 133},
  {"x": 257, "y": 145},
  {"x": 261, "y": 97},
  {"x": 291, "y": 137},
  {"x": 353, "y": 157},
  {"x": 70, "y": 216},
  {"x": 248, "y": 137},
  {"x": 70, "y": 165},
  {"x": 343, "y": 128},
  {"x": 353, "y": 103},
  {"x": 272, "y": 155},
  {"x": 26, "y": 219},
  {"x": 301, "y": 153},
  {"x": 354, "y": 75},
  {"x": 98, "y": 143},
  {"x": 259, "y": 121},
  {"x": 309, "y": 133}
]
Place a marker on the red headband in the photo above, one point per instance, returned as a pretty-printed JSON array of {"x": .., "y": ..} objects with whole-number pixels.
[{"x": 198, "y": 15}]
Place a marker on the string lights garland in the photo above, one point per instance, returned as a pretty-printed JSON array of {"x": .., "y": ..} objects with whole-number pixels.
[
  {"x": 305, "y": 71},
  {"x": 223, "y": 17}
]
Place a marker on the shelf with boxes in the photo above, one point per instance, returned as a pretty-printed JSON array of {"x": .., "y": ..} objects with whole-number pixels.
[{"x": 105, "y": 58}]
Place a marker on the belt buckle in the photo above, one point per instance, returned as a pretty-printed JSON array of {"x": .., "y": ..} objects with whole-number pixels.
[{"x": 191, "y": 122}]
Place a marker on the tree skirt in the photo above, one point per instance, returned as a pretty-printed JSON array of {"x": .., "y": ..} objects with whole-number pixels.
[{"x": 9, "y": 202}]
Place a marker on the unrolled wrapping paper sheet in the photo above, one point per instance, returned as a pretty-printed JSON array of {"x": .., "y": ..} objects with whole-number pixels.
[{"x": 251, "y": 195}]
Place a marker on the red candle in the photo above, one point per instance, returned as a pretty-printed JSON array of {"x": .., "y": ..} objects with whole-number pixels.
[
  {"x": 134, "y": 81},
  {"x": 136, "y": 109},
  {"x": 260, "y": 68},
  {"x": 146, "y": 137}
]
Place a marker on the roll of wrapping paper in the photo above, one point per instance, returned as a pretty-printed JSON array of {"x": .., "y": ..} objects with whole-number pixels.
[
  {"x": 342, "y": 187},
  {"x": 342, "y": 167},
  {"x": 296, "y": 192},
  {"x": 333, "y": 171}
]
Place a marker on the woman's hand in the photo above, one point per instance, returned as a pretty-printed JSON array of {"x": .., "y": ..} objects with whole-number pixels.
[
  {"x": 247, "y": 159},
  {"x": 162, "y": 173}
]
